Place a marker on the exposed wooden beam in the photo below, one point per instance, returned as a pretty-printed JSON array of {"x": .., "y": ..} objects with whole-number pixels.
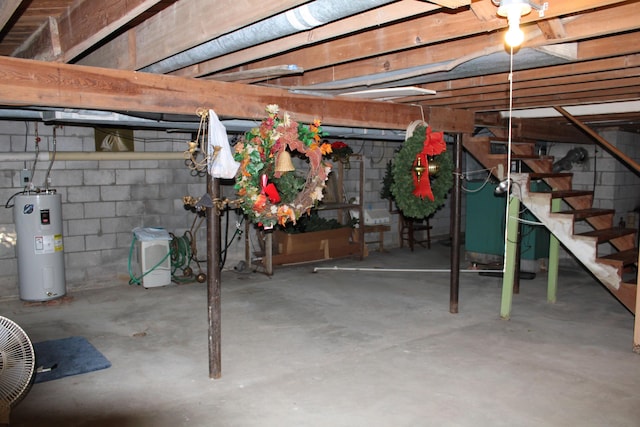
[
  {"x": 552, "y": 29},
  {"x": 35, "y": 83},
  {"x": 451, "y": 4},
  {"x": 377, "y": 17},
  {"x": 482, "y": 91},
  {"x": 181, "y": 26},
  {"x": 542, "y": 130},
  {"x": 7, "y": 10},
  {"x": 82, "y": 27},
  {"x": 612, "y": 149},
  {"x": 580, "y": 71},
  {"x": 260, "y": 74},
  {"x": 485, "y": 10},
  {"x": 424, "y": 31},
  {"x": 570, "y": 87},
  {"x": 401, "y": 55},
  {"x": 546, "y": 99}
]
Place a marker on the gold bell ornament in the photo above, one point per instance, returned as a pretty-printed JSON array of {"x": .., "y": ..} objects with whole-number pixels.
[{"x": 284, "y": 163}]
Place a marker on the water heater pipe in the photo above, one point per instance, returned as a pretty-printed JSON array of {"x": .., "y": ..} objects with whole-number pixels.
[{"x": 92, "y": 155}]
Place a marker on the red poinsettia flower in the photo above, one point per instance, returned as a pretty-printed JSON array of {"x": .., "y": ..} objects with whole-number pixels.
[{"x": 338, "y": 145}]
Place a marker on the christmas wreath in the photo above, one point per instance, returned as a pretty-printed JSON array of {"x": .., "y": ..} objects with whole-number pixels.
[
  {"x": 422, "y": 174},
  {"x": 269, "y": 192}
]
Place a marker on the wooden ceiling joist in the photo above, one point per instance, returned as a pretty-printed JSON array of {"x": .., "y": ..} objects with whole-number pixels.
[{"x": 34, "y": 83}]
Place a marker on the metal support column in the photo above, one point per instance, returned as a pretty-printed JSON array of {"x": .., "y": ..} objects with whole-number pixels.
[
  {"x": 213, "y": 279},
  {"x": 456, "y": 212},
  {"x": 636, "y": 323}
]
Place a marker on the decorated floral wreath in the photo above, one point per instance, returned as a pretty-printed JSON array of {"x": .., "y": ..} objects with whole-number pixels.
[
  {"x": 416, "y": 192},
  {"x": 269, "y": 193}
]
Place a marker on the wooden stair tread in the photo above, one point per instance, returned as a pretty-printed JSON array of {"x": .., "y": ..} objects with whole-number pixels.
[
  {"x": 607, "y": 234},
  {"x": 561, "y": 194},
  {"x": 570, "y": 193},
  {"x": 579, "y": 214},
  {"x": 525, "y": 156},
  {"x": 628, "y": 257},
  {"x": 542, "y": 175}
]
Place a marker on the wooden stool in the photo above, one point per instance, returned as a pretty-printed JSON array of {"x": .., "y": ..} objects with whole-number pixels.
[{"x": 408, "y": 229}]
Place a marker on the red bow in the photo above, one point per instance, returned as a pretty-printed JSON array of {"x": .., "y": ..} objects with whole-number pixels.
[
  {"x": 433, "y": 145},
  {"x": 270, "y": 190}
]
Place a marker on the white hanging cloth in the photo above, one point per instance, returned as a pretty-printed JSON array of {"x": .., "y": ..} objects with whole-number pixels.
[{"x": 220, "y": 159}]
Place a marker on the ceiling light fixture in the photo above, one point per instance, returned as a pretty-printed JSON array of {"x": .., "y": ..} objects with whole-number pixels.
[{"x": 513, "y": 10}]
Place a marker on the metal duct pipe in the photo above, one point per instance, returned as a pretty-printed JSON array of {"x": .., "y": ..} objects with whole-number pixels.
[
  {"x": 92, "y": 155},
  {"x": 293, "y": 21}
]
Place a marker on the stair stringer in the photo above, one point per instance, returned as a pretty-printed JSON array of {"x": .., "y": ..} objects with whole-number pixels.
[{"x": 583, "y": 248}]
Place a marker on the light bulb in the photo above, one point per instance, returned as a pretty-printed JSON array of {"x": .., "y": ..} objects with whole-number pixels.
[{"x": 514, "y": 37}]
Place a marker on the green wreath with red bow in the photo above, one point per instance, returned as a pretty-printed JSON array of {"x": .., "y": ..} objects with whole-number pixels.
[{"x": 416, "y": 192}]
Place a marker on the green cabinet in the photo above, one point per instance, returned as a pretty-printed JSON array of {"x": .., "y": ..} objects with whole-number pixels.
[{"x": 485, "y": 219}]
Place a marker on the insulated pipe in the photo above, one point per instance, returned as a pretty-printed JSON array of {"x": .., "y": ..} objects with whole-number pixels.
[
  {"x": 302, "y": 18},
  {"x": 52, "y": 156},
  {"x": 403, "y": 270},
  {"x": 92, "y": 155}
]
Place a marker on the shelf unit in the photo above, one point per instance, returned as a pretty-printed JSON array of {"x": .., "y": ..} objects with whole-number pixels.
[{"x": 342, "y": 208}]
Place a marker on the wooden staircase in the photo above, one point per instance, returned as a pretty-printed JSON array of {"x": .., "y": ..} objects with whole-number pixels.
[{"x": 613, "y": 270}]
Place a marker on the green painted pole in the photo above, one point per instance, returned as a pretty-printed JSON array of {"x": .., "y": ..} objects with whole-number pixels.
[
  {"x": 554, "y": 259},
  {"x": 510, "y": 257}
]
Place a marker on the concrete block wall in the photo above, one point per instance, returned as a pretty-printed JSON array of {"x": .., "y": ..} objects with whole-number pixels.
[
  {"x": 377, "y": 154},
  {"x": 619, "y": 184},
  {"x": 104, "y": 200}
]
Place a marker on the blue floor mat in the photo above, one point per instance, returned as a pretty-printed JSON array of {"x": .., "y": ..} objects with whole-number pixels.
[{"x": 65, "y": 357}]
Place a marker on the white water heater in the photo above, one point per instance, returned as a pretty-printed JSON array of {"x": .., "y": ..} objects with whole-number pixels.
[{"x": 38, "y": 219}]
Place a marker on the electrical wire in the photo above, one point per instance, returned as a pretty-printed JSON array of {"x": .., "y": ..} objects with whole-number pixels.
[
  {"x": 509, "y": 145},
  {"x": 376, "y": 162},
  {"x": 7, "y": 204}
]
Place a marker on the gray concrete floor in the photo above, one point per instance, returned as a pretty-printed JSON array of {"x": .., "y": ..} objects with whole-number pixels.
[{"x": 344, "y": 349}]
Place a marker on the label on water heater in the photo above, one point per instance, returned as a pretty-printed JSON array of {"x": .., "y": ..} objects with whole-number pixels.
[
  {"x": 48, "y": 244},
  {"x": 45, "y": 217}
]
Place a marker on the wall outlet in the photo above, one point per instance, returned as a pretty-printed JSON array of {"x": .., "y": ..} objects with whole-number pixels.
[{"x": 25, "y": 177}]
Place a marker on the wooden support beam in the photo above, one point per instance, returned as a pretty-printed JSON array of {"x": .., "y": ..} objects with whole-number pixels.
[
  {"x": 45, "y": 84},
  {"x": 552, "y": 29},
  {"x": 451, "y": 4},
  {"x": 7, "y": 10},
  {"x": 181, "y": 26},
  {"x": 66, "y": 37},
  {"x": 550, "y": 130},
  {"x": 613, "y": 150}
]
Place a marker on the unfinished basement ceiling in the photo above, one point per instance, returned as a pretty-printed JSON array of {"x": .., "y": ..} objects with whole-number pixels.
[{"x": 579, "y": 53}]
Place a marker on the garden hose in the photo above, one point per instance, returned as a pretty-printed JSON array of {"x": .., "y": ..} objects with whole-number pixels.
[
  {"x": 183, "y": 250},
  {"x": 181, "y": 253},
  {"x": 137, "y": 280}
]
